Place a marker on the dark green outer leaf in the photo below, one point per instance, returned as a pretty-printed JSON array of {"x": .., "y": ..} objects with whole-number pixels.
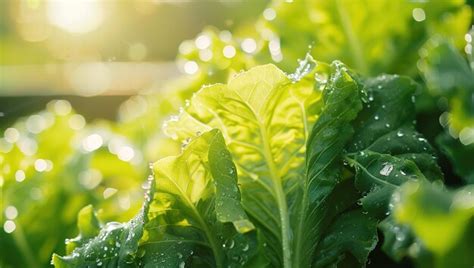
[
  {"x": 354, "y": 233},
  {"x": 448, "y": 75},
  {"x": 444, "y": 69},
  {"x": 397, "y": 239},
  {"x": 323, "y": 160},
  {"x": 386, "y": 150},
  {"x": 460, "y": 155}
]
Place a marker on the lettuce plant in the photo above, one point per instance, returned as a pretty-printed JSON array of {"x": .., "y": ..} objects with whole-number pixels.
[
  {"x": 275, "y": 170},
  {"x": 373, "y": 37},
  {"x": 450, "y": 77},
  {"x": 52, "y": 165}
]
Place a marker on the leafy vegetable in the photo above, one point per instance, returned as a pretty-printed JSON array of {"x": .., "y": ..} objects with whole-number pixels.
[
  {"x": 271, "y": 110},
  {"x": 197, "y": 194},
  {"x": 262, "y": 168},
  {"x": 378, "y": 36},
  {"x": 449, "y": 76},
  {"x": 354, "y": 233},
  {"x": 324, "y": 164},
  {"x": 441, "y": 220},
  {"x": 290, "y": 202},
  {"x": 386, "y": 152},
  {"x": 115, "y": 244},
  {"x": 390, "y": 150},
  {"x": 48, "y": 168}
]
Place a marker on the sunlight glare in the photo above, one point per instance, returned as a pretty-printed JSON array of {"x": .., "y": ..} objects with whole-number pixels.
[{"x": 79, "y": 16}]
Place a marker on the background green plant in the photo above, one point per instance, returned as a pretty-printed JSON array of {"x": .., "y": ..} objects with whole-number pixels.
[{"x": 378, "y": 37}]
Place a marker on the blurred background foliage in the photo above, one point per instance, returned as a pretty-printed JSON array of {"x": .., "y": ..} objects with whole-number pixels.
[{"x": 126, "y": 66}]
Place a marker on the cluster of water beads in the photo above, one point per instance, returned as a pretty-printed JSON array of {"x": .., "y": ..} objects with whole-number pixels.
[{"x": 111, "y": 237}]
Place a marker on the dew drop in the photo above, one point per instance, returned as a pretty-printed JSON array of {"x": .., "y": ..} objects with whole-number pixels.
[
  {"x": 321, "y": 80},
  {"x": 185, "y": 142},
  {"x": 422, "y": 139},
  {"x": 387, "y": 169}
]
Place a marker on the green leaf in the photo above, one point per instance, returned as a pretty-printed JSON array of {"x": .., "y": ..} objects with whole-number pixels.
[
  {"x": 258, "y": 112},
  {"x": 379, "y": 141},
  {"x": 449, "y": 77},
  {"x": 196, "y": 195},
  {"x": 352, "y": 233},
  {"x": 227, "y": 197},
  {"x": 115, "y": 245},
  {"x": 443, "y": 221},
  {"x": 72, "y": 178},
  {"x": 397, "y": 239},
  {"x": 88, "y": 225},
  {"x": 444, "y": 69},
  {"x": 448, "y": 74},
  {"x": 325, "y": 146},
  {"x": 459, "y": 154},
  {"x": 386, "y": 150}
]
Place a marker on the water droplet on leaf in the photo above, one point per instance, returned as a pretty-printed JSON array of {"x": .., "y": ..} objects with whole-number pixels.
[{"x": 387, "y": 169}]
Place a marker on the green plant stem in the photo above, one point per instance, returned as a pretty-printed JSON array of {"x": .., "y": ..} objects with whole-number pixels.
[
  {"x": 299, "y": 234},
  {"x": 204, "y": 226},
  {"x": 281, "y": 200},
  {"x": 211, "y": 238}
]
